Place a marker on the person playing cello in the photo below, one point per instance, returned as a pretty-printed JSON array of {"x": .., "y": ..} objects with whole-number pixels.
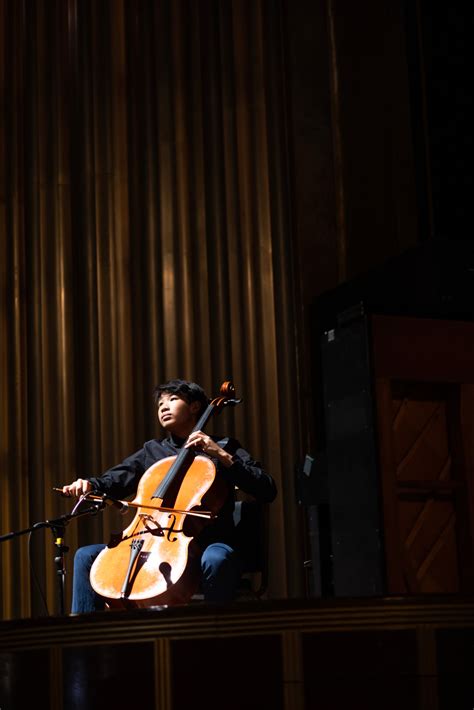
[{"x": 179, "y": 406}]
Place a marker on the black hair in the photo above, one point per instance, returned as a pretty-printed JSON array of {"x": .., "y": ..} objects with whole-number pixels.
[{"x": 189, "y": 391}]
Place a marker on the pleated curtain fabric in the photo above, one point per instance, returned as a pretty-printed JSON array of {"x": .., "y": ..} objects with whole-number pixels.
[{"x": 145, "y": 234}]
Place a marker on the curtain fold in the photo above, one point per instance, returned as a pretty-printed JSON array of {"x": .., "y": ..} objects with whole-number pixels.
[{"x": 145, "y": 235}]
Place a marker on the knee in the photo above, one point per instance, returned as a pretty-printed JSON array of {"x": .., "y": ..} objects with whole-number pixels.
[
  {"x": 85, "y": 556},
  {"x": 216, "y": 557}
]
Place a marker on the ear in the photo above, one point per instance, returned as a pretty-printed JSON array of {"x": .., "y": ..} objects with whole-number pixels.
[{"x": 195, "y": 407}]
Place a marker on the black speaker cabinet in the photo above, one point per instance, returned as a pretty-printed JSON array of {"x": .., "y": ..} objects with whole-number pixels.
[{"x": 355, "y": 508}]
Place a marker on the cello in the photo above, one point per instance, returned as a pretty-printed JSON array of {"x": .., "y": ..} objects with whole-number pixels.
[{"x": 156, "y": 559}]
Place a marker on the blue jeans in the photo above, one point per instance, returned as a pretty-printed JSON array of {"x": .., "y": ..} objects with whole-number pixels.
[{"x": 220, "y": 575}]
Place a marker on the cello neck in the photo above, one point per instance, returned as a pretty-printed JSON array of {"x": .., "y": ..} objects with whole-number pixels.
[
  {"x": 185, "y": 456},
  {"x": 204, "y": 418}
]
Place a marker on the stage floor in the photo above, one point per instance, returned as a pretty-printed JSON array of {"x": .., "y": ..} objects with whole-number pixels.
[{"x": 385, "y": 653}]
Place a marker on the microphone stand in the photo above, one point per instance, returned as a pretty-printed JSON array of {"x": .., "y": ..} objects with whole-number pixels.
[{"x": 57, "y": 527}]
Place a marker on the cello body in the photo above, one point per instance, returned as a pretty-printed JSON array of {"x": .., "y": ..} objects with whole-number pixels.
[{"x": 157, "y": 560}]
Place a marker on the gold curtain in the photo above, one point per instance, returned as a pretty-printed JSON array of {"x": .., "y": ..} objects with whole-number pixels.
[{"x": 145, "y": 234}]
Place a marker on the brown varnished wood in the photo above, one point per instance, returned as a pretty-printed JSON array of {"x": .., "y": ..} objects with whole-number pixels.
[{"x": 163, "y": 558}]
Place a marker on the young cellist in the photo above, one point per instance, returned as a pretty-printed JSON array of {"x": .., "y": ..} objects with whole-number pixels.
[{"x": 180, "y": 404}]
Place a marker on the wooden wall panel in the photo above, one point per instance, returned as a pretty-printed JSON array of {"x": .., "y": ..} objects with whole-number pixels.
[{"x": 423, "y": 386}]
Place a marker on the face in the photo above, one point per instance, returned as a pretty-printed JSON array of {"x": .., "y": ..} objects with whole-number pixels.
[{"x": 176, "y": 415}]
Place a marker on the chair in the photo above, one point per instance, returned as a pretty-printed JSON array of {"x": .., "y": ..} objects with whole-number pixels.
[{"x": 251, "y": 524}]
